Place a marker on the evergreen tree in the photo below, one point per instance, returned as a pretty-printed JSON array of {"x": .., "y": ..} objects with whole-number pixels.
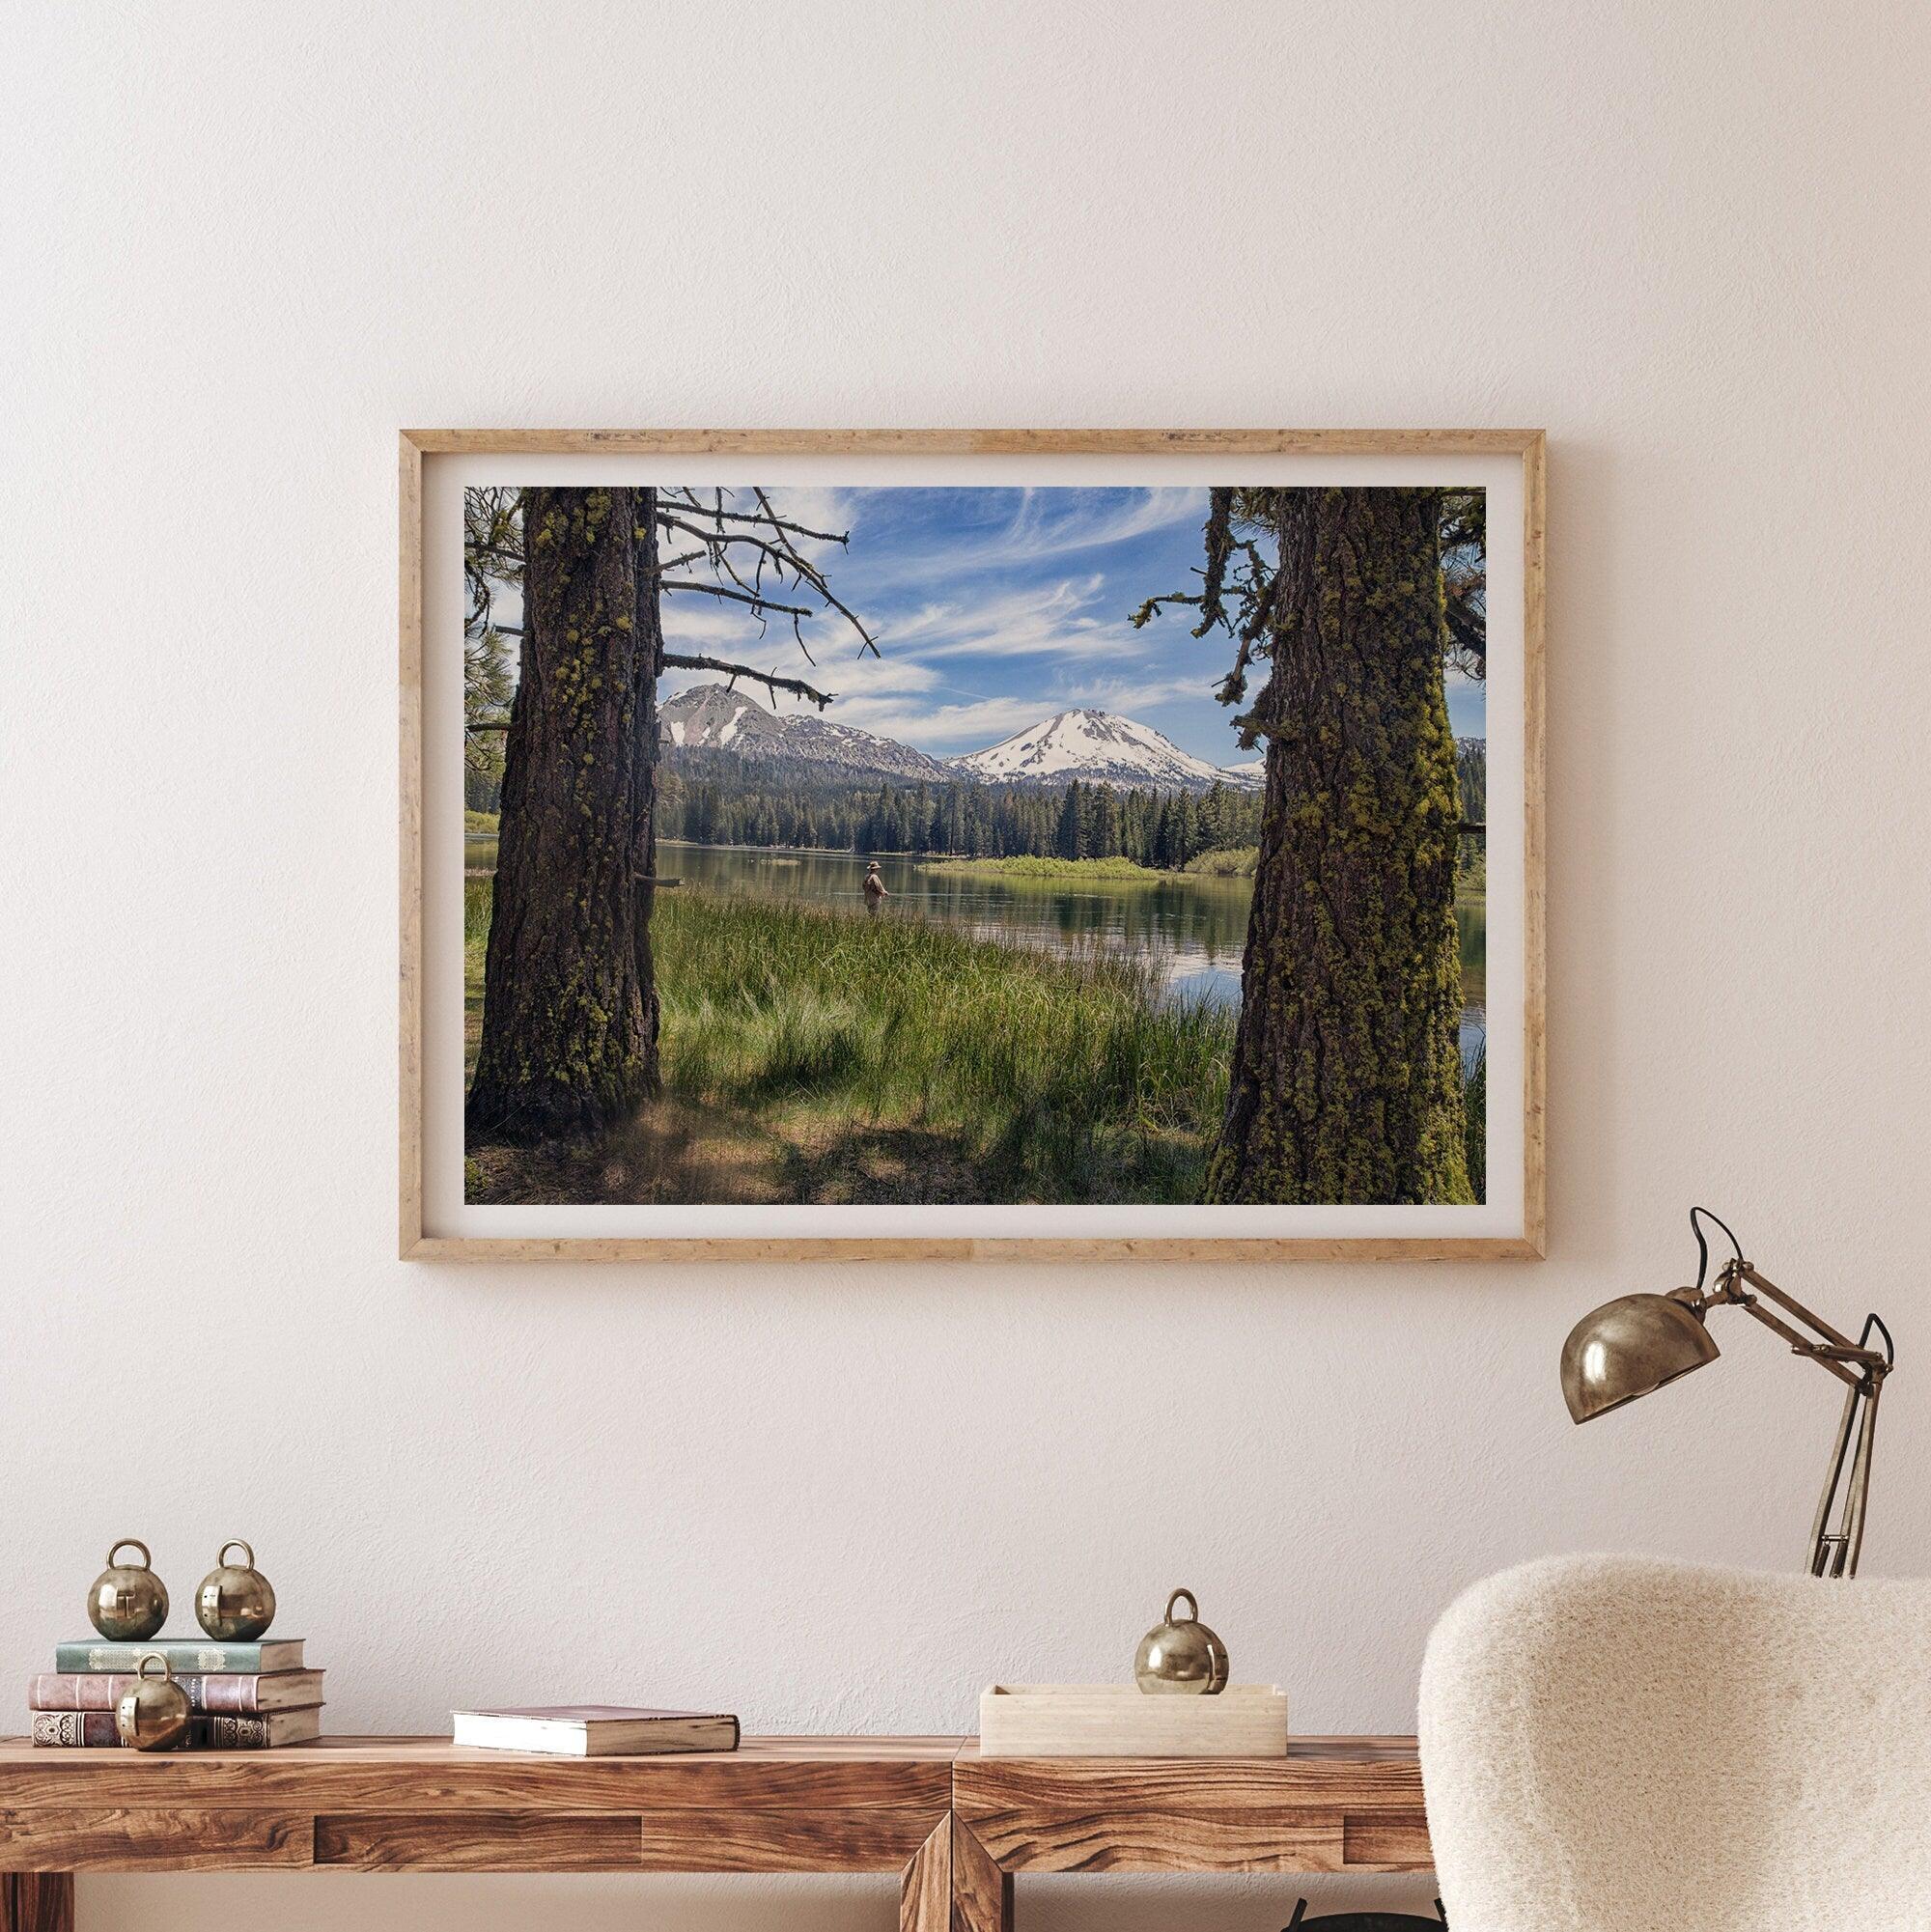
[
  {"x": 1066, "y": 835},
  {"x": 1346, "y": 1082},
  {"x": 569, "y": 1009},
  {"x": 570, "y": 1005}
]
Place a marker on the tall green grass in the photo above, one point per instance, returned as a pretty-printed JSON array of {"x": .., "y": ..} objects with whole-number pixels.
[
  {"x": 1015, "y": 1074},
  {"x": 1475, "y": 1122},
  {"x": 1047, "y": 1078}
]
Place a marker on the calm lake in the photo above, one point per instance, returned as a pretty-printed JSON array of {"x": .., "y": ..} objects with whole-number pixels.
[{"x": 1193, "y": 927}]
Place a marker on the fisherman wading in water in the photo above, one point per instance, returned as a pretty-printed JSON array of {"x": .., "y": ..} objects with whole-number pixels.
[{"x": 875, "y": 894}]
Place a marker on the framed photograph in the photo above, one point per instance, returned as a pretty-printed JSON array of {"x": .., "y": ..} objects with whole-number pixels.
[{"x": 1084, "y": 844}]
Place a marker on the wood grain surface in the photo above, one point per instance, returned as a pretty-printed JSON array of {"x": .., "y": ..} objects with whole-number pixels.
[
  {"x": 973, "y": 442},
  {"x": 925, "y": 1889},
  {"x": 479, "y": 1841},
  {"x": 417, "y": 1774},
  {"x": 981, "y": 1890},
  {"x": 37, "y": 1901},
  {"x": 154, "y": 1838},
  {"x": 1298, "y": 1813},
  {"x": 1374, "y": 1841},
  {"x": 956, "y": 1826}
]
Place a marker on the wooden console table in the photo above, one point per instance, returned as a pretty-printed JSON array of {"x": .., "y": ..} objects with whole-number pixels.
[
  {"x": 954, "y": 1826},
  {"x": 1331, "y": 1805}
]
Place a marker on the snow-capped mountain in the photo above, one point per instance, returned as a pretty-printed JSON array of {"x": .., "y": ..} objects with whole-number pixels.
[
  {"x": 1097, "y": 747},
  {"x": 711, "y": 717}
]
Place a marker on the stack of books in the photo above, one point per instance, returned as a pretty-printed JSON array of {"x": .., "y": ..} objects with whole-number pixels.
[{"x": 244, "y": 1696}]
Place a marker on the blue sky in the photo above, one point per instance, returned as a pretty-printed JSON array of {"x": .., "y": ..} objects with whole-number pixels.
[{"x": 993, "y": 610}]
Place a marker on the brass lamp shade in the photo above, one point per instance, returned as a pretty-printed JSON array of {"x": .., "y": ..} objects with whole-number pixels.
[{"x": 1627, "y": 1347}]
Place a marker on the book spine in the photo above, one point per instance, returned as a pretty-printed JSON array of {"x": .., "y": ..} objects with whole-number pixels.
[
  {"x": 203, "y": 1659},
  {"x": 96, "y": 1730},
  {"x": 74, "y": 1728},
  {"x": 232, "y": 1733},
  {"x": 88, "y": 1691}
]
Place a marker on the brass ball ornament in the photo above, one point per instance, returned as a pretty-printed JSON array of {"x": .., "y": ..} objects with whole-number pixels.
[
  {"x": 128, "y": 1602},
  {"x": 236, "y": 1603},
  {"x": 153, "y": 1713},
  {"x": 1179, "y": 1656}
]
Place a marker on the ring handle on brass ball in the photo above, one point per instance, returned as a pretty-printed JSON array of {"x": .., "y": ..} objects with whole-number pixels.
[
  {"x": 128, "y": 1602},
  {"x": 236, "y": 1603},
  {"x": 1179, "y": 1656},
  {"x": 153, "y": 1713}
]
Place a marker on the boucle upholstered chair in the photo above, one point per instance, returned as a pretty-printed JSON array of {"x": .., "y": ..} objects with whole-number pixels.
[{"x": 1617, "y": 1745}]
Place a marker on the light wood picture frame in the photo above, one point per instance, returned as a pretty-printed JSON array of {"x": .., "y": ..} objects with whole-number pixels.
[{"x": 445, "y": 1214}]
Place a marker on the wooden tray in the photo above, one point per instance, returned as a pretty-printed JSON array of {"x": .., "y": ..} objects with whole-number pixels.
[{"x": 1122, "y": 1721}]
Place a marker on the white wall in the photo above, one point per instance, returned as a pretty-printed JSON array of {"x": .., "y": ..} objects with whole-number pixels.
[{"x": 244, "y": 245}]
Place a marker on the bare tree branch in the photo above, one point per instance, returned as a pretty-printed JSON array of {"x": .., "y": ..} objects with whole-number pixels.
[
  {"x": 737, "y": 596},
  {"x": 714, "y": 540},
  {"x": 686, "y": 501},
  {"x": 815, "y": 577},
  {"x": 678, "y": 563},
  {"x": 770, "y": 679},
  {"x": 779, "y": 551}
]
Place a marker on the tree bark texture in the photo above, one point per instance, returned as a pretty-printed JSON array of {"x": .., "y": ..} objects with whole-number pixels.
[
  {"x": 570, "y": 1011},
  {"x": 1347, "y": 1077}
]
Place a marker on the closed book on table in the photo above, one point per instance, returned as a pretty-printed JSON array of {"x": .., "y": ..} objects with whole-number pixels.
[
  {"x": 201, "y": 1656},
  {"x": 97, "y": 1730},
  {"x": 596, "y": 1730},
  {"x": 103, "y": 1690}
]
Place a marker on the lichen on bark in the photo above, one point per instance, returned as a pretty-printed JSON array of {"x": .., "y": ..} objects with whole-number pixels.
[
  {"x": 1346, "y": 1082},
  {"x": 569, "y": 1038}
]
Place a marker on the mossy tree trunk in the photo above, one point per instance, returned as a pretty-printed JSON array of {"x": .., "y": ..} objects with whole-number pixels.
[
  {"x": 569, "y": 1009},
  {"x": 1346, "y": 1079}
]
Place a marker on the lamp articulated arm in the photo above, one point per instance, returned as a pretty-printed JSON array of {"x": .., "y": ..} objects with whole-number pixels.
[
  {"x": 1861, "y": 1368},
  {"x": 1635, "y": 1344}
]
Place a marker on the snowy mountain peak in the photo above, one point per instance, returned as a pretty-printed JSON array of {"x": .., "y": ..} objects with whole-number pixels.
[
  {"x": 1099, "y": 747},
  {"x": 709, "y": 717}
]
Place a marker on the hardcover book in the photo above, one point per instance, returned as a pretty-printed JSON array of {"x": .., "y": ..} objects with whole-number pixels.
[
  {"x": 96, "y": 1730},
  {"x": 596, "y": 1730},
  {"x": 189, "y": 1655},
  {"x": 101, "y": 1690}
]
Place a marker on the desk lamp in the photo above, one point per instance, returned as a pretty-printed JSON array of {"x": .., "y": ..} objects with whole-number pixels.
[{"x": 1635, "y": 1343}]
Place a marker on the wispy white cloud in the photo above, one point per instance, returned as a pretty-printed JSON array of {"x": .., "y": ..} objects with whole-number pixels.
[
  {"x": 1097, "y": 519},
  {"x": 1072, "y": 619},
  {"x": 1045, "y": 523}
]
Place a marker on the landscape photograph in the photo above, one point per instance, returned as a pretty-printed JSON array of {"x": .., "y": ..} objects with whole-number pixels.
[{"x": 959, "y": 846}]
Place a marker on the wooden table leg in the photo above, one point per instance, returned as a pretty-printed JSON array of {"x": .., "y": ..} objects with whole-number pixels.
[
  {"x": 982, "y": 1895},
  {"x": 953, "y": 1885},
  {"x": 37, "y": 1901},
  {"x": 925, "y": 1890}
]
